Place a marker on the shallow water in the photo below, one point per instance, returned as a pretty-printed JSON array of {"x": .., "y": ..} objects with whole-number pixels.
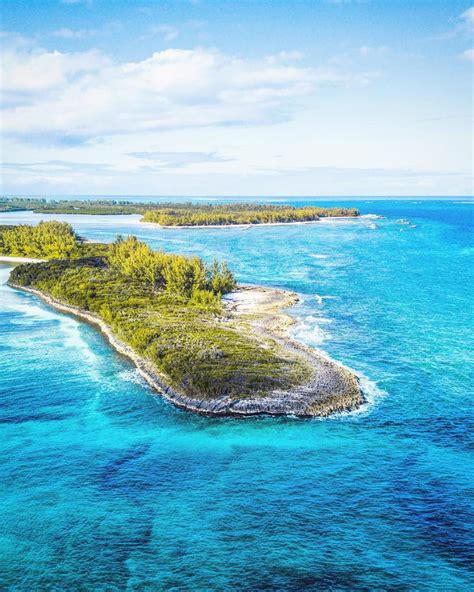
[{"x": 107, "y": 487}]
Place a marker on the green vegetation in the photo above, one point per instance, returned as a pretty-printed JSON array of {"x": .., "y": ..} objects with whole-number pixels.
[
  {"x": 178, "y": 214},
  {"x": 188, "y": 277},
  {"x": 168, "y": 309},
  {"x": 77, "y": 206},
  {"x": 46, "y": 240},
  {"x": 212, "y": 215}
]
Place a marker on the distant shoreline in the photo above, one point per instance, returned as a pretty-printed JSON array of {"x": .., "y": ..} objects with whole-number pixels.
[
  {"x": 323, "y": 219},
  {"x": 185, "y": 214},
  {"x": 251, "y": 225}
]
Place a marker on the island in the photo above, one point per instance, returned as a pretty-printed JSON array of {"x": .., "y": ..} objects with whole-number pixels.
[
  {"x": 182, "y": 214},
  {"x": 199, "y": 340},
  {"x": 240, "y": 214}
]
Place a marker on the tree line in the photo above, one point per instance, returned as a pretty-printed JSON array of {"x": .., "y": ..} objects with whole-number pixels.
[
  {"x": 223, "y": 215},
  {"x": 188, "y": 277},
  {"x": 47, "y": 240},
  {"x": 177, "y": 213}
]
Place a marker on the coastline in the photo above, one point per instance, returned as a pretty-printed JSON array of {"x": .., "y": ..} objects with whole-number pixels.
[
  {"x": 251, "y": 225},
  {"x": 187, "y": 226},
  {"x": 332, "y": 388}
]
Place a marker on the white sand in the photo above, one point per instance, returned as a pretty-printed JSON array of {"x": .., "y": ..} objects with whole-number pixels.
[{"x": 247, "y": 226}]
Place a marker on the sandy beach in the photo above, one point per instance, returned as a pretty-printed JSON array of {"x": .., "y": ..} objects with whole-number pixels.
[{"x": 246, "y": 226}]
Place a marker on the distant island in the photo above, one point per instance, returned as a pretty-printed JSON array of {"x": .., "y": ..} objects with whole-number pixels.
[
  {"x": 198, "y": 339},
  {"x": 181, "y": 214},
  {"x": 240, "y": 214}
]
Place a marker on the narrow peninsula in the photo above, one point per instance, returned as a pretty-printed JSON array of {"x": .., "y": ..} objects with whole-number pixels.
[{"x": 199, "y": 340}]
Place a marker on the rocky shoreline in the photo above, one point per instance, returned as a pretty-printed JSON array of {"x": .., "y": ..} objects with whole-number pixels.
[{"x": 332, "y": 388}]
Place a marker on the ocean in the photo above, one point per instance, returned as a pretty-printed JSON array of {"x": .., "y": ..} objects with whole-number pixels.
[{"x": 108, "y": 487}]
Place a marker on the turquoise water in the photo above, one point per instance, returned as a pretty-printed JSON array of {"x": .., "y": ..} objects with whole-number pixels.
[{"x": 107, "y": 487}]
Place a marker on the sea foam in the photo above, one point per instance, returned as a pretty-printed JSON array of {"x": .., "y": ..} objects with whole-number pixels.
[{"x": 133, "y": 376}]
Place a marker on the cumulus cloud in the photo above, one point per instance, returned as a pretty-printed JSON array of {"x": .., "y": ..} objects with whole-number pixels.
[
  {"x": 51, "y": 96},
  {"x": 36, "y": 71}
]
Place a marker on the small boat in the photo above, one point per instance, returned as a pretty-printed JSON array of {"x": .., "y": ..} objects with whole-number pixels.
[
  {"x": 403, "y": 221},
  {"x": 373, "y": 226}
]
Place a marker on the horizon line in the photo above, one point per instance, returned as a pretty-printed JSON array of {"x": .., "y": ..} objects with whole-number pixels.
[{"x": 228, "y": 196}]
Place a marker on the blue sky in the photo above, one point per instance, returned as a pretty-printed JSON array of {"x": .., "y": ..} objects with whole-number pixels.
[{"x": 199, "y": 97}]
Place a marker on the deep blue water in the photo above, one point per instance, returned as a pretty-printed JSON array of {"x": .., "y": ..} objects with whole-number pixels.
[{"x": 107, "y": 487}]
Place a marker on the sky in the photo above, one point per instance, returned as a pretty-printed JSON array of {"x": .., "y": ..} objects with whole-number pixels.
[{"x": 244, "y": 97}]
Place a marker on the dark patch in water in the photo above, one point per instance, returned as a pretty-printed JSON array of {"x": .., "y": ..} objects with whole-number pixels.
[
  {"x": 117, "y": 472},
  {"x": 438, "y": 511},
  {"x": 450, "y": 432},
  {"x": 132, "y": 454},
  {"x": 327, "y": 578},
  {"x": 134, "y": 471},
  {"x": 27, "y": 418}
]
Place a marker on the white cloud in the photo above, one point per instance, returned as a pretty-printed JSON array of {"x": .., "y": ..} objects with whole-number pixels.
[
  {"x": 14, "y": 40},
  {"x": 393, "y": 173},
  {"x": 463, "y": 26},
  {"x": 285, "y": 56},
  {"x": 58, "y": 177},
  {"x": 468, "y": 55},
  {"x": 55, "y": 167},
  {"x": 173, "y": 160},
  {"x": 36, "y": 71},
  {"x": 468, "y": 16},
  {"x": 366, "y": 50},
  {"x": 66, "y": 33},
  {"x": 70, "y": 98}
]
